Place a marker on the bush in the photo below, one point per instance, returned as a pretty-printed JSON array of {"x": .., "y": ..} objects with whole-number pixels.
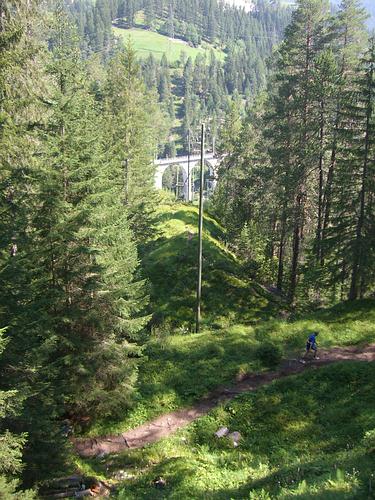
[
  {"x": 269, "y": 354},
  {"x": 369, "y": 441},
  {"x": 259, "y": 495}
]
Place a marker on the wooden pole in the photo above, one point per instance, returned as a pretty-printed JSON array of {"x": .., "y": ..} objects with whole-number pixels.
[
  {"x": 200, "y": 235},
  {"x": 188, "y": 179}
]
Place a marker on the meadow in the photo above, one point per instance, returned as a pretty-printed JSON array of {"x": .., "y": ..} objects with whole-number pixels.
[{"x": 147, "y": 42}]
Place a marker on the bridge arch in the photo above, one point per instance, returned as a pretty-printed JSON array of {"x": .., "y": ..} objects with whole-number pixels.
[
  {"x": 186, "y": 163},
  {"x": 175, "y": 179}
]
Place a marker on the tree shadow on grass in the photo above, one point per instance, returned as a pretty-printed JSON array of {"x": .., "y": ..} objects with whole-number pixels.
[
  {"x": 172, "y": 271},
  {"x": 211, "y": 362}
]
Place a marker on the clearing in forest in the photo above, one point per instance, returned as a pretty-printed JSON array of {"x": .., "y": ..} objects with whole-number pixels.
[{"x": 147, "y": 42}]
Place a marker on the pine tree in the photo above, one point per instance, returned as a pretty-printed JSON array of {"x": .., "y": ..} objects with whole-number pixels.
[
  {"x": 134, "y": 123},
  {"x": 350, "y": 243},
  {"x": 304, "y": 41},
  {"x": 349, "y": 39}
]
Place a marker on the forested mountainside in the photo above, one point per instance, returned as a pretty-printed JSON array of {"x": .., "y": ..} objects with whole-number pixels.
[
  {"x": 237, "y": 68},
  {"x": 299, "y": 176},
  {"x": 98, "y": 269}
]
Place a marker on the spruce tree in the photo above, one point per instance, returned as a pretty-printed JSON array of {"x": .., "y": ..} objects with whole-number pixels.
[
  {"x": 133, "y": 124},
  {"x": 350, "y": 243}
]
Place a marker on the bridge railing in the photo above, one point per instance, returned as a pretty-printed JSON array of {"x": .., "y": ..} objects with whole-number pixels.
[{"x": 182, "y": 159}]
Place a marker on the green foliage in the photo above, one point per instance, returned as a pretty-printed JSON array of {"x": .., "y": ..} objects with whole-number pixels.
[
  {"x": 269, "y": 354},
  {"x": 70, "y": 294},
  {"x": 9, "y": 491},
  {"x": 369, "y": 441},
  {"x": 133, "y": 125},
  {"x": 297, "y": 180},
  {"x": 11, "y": 445}
]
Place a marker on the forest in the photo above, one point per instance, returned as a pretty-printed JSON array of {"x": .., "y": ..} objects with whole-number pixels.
[
  {"x": 246, "y": 40},
  {"x": 106, "y": 387}
]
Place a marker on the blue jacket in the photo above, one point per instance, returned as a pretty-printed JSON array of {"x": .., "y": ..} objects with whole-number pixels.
[{"x": 312, "y": 339}]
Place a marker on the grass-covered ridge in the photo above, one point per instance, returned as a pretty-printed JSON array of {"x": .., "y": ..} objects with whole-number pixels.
[
  {"x": 170, "y": 265},
  {"x": 147, "y": 42}
]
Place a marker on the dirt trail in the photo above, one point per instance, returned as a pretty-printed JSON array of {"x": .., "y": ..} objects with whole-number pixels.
[{"x": 167, "y": 424}]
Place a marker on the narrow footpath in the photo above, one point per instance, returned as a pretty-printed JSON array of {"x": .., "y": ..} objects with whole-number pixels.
[{"x": 166, "y": 424}]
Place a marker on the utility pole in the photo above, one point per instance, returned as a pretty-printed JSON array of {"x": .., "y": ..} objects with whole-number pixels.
[
  {"x": 178, "y": 183},
  {"x": 200, "y": 234},
  {"x": 188, "y": 177}
]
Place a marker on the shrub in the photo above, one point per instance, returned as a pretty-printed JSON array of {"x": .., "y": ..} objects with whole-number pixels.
[
  {"x": 269, "y": 354},
  {"x": 259, "y": 495},
  {"x": 369, "y": 441}
]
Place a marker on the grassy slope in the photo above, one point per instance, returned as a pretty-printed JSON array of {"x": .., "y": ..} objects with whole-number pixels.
[
  {"x": 170, "y": 265},
  {"x": 146, "y": 42},
  {"x": 301, "y": 438},
  {"x": 181, "y": 368}
]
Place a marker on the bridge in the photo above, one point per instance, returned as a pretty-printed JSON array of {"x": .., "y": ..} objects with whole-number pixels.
[{"x": 187, "y": 163}]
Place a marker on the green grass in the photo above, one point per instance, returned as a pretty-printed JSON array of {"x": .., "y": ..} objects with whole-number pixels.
[
  {"x": 179, "y": 369},
  {"x": 302, "y": 438},
  {"x": 170, "y": 265},
  {"x": 146, "y": 42}
]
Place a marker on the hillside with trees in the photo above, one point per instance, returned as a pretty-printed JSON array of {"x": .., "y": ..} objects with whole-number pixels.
[
  {"x": 110, "y": 384},
  {"x": 237, "y": 45},
  {"x": 304, "y": 155}
]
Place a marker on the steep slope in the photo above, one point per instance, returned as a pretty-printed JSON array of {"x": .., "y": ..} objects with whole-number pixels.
[{"x": 170, "y": 264}]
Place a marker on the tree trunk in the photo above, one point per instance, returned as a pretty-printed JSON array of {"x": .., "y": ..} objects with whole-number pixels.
[
  {"x": 280, "y": 271},
  {"x": 296, "y": 247}
]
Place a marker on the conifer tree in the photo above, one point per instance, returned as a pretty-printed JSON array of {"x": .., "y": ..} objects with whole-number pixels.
[
  {"x": 349, "y": 36},
  {"x": 10, "y": 445},
  {"x": 351, "y": 236},
  {"x": 302, "y": 46},
  {"x": 133, "y": 123}
]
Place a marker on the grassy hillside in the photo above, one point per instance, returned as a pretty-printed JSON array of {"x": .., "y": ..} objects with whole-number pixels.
[
  {"x": 179, "y": 369},
  {"x": 170, "y": 264},
  {"x": 146, "y": 42},
  {"x": 308, "y": 437}
]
